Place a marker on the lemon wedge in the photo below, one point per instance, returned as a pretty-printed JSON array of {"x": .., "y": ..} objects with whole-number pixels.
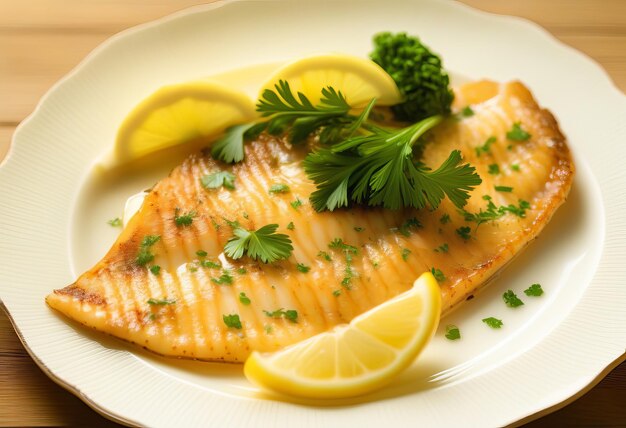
[
  {"x": 358, "y": 79},
  {"x": 356, "y": 358},
  {"x": 177, "y": 114}
]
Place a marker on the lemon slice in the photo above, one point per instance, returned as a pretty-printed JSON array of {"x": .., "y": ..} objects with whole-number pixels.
[
  {"x": 358, "y": 79},
  {"x": 179, "y": 113},
  {"x": 356, "y": 358}
]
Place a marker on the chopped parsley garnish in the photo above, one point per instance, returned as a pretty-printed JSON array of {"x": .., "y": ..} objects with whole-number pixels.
[
  {"x": 445, "y": 219},
  {"x": 493, "y": 322},
  {"x": 515, "y": 167},
  {"x": 408, "y": 225},
  {"x": 503, "y": 189},
  {"x": 438, "y": 274},
  {"x": 303, "y": 268},
  {"x": 224, "y": 279},
  {"x": 349, "y": 251},
  {"x": 443, "y": 248},
  {"x": 201, "y": 253},
  {"x": 485, "y": 148},
  {"x": 452, "y": 332},
  {"x": 464, "y": 232},
  {"x": 325, "y": 256},
  {"x": 185, "y": 219},
  {"x": 511, "y": 299},
  {"x": 155, "y": 269},
  {"x": 279, "y": 188},
  {"x": 517, "y": 133},
  {"x": 215, "y": 224},
  {"x": 405, "y": 254},
  {"x": 296, "y": 204},
  {"x": 534, "y": 290},
  {"x": 494, "y": 169},
  {"x": 263, "y": 244},
  {"x": 232, "y": 320},
  {"x": 358, "y": 229},
  {"x": 268, "y": 328},
  {"x": 338, "y": 244},
  {"x": 161, "y": 302},
  {"x": 210, "y": 264},
  {"x": 245, "y": 300},
  {"x": 336, "y": 293},
  {"x": 290, "y": 314},
  {"x": 494, "y": 212},
  {"x": 116, "y": 222},
  {"x": 467, "y": 111},
  {"x": 218, "y": 179},
  {"x": 291, "y": 226},
  {"x": 242, "y": 271},
  {"x": 145, "y": 256}
]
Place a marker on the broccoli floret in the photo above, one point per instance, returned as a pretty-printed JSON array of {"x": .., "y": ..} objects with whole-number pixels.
[{"x": 419, "y": 74}]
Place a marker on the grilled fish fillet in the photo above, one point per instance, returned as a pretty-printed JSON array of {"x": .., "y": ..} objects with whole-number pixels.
[{"x": 392, "y": 248}]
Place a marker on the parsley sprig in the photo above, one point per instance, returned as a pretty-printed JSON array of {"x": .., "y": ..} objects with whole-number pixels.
[
  {"x": 378, "y": 169},
  {"x": 264, "y": 244}
]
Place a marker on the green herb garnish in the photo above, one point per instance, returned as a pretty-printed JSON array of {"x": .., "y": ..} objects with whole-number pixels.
[
  {"x": 303, "y": 268},
  {"x": 467, "y": 112},
  {"x": 445, "y": 219},
  {"x": 185, "y": 219},
  {"x": 145, "y": 256},
  {"x": 296, "y": 204},
  {"x": 412, "y": 223},
  {"x": 485, "y": 148},
  {"x": 452, "y": 332},
  {"x": 442, "y": 248},
  {"x": 438, "y": 274},
  {"x": 325, "y": 256},
  {"x": 534, "y": 290},
  {"x": 245, "y": 300},
  {"x": 263, "y": 244},
  {"x": 232, "y": 320},
  {"x": 405, "y": 254},
  {"x": 494, "y": 169},
  {"x": 517, "y": 133},
  {"x": 503, "y": 189},
  {"x": 511, "y": 299},
  {"x": 515, "y": 167},
  {"x": 464, "y": 232},
  {"x": 224, "y": 279},
  {"x": 161, "y": 302},
  {"x": 218, "y": 179},
  {"x": 291, "y": 226},
  {"x": 290, "y": 314},
  {"x": 116, "y": 222},
  {"x": 358, "y": 229},
  {"x": 155, "y": 269},
  {"x": 493, "y": 322},
  {"x": 201, "y": 253},
  {"x": 279, "y": 188}
]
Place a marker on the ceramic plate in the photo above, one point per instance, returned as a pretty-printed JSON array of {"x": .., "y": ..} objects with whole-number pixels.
[{"x": 53, "y": 222}]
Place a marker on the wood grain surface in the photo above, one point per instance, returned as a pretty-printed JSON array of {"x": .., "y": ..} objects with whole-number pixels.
[{"x": 41, "y": 40}]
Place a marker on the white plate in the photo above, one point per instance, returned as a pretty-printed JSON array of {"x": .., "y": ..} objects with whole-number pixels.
[{"x": 52, "y": 226}]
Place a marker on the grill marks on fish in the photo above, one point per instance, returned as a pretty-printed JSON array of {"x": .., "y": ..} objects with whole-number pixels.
[{"x": 113, "y": 296}]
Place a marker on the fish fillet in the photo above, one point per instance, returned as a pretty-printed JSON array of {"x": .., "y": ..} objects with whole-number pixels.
[{"x": 392, "y": 248}]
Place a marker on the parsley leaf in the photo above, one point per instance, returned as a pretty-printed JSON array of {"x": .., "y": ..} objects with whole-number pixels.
[
  {"x": 229, "y": 148},
  {"x": 290, "y": 314},
  {"x": 445, "y": 219},
  {"x": 485, "y": 147},
  {"x": 406, "y": 227},
  {"x": 155, "y": 269},
  {"x": 442, "y": 248},
  {"x": 438, "y": 274},
  {"x": 493, "y": 322},
  {"x": 264, "y": 244},
  {"x": 534, "y": 290},
  {"x": 291, "y": 226},
  {"x": 245, "y": 300},
  {"x": 116, "y": 222},
  {"x": 378, "y": 169},
  {"x": 494, "y": 169},
  {"x": 161, "y": 302},
  {"x": 325, "y": 256},
  {"x": 464, "y": 232},
  {"x": 452, "y": 332},
  {"x": 405, "y": 254},
  {"x": 224, "y": 279},
  {"x": 296, "y": 204},
  {"x": 185, "y": 219},
  {"x": 279, "y": 188},
  {"x": 517, "y": 133},
  {"x": 511, "y": 299},
  {"x": 285, "y": 110},
  {"x": 467, "y": 112},
  {"x": 494, "y": 212},
  {"x": 144, "y": 255},
  {"x": 303, "y": 268},
  {"x": 503, "y": 189},
  {"x": 201, "y": 253},
  {"x": 218, "y": 179},
  {"x": 232, "y": 320}
]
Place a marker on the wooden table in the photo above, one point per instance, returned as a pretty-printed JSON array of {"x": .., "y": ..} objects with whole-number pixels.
[{"x": 41, "y": 40}]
